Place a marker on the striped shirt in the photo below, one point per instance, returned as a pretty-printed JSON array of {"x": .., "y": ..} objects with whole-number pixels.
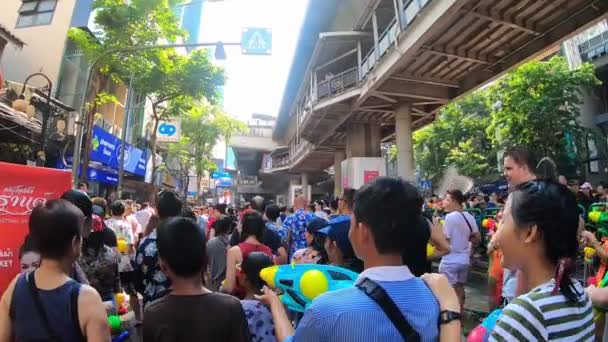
[
  {"x": 349, "y": 315},
  {"x": 540, "y": 315}
]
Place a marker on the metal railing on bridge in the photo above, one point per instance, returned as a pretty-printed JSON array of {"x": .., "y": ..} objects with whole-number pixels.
[
  {"x": 411, "y": 9},
  {"x": 338, "y": 83}
]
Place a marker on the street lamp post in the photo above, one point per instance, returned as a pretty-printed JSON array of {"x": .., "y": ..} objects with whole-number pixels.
[{"x": 220, "y": 53}]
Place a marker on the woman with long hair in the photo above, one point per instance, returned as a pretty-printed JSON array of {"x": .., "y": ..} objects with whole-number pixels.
[
  {"x": 252, "y": 230},
  {"x": 538, "y": 237}
]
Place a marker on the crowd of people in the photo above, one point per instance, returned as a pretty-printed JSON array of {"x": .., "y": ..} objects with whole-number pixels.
[{"x": 196, "y": 271}]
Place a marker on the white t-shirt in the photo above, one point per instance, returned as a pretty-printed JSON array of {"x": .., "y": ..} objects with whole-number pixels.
[
  {"x": 123, "y": 230},
  {"x": 458, "y": 232}
]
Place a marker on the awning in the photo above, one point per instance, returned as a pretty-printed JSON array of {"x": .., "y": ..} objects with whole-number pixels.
[{"x": 9, "y": 37}]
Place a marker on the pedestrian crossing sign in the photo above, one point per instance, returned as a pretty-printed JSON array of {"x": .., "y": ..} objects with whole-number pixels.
[{"x": 256, "y": 41}]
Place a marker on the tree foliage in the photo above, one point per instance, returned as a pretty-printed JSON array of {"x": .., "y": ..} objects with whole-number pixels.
[
  {"x": 457, "y": 137},
  {"x": 174, "y": 83},
  {"x": 122, "y": 25},
  {"x": 537, "y": 103}
]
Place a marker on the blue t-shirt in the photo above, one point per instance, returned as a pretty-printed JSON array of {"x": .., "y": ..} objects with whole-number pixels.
[{"x": 349, "y": 315}]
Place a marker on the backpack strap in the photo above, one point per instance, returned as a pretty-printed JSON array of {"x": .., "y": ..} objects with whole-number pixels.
[
  {"x": 466, "y": 221},
  {"x": 40, "y": 308},
  {"x": 379, "y": 295}
]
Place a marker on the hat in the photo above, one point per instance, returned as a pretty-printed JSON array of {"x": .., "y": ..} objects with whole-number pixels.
[{"x": 337, "y": 230}]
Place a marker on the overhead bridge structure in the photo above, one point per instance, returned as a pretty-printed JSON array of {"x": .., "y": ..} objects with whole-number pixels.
[{"x": 368, "y": 71}]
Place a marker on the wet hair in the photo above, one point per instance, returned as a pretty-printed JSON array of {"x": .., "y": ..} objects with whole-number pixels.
[
  {"x": 253, "y": 224},
  {"x": 100, "y": 206},
  {"x": 27, "y": 246},
  {"x": 169, "y": 204},
  {"x": 223, "y": 226},
  {"x": 334, "y": 204},
  {"x": 457, "y": 196},
  {"x": 221, "y": 207},
  {"x": 521, "y": 156},
  {"x": 272, "y": 212},
  {"x": 80, "y": 200},
  {"x": 318, "y": 240},
  {"x": 349, "y": 197},
  {"x": 188, "y": 213},
  {"x": 252, "y": 264},
  {"x": 389, "y": 206},
  {"x": 553, "y": 209},
  {"x": 181, "y": 245},
  {"x": 53, "y": 227},
  {"x": 118, "y": 208}
]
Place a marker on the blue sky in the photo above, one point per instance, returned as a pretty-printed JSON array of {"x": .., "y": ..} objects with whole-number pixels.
[{"x": 255, "y": 83}]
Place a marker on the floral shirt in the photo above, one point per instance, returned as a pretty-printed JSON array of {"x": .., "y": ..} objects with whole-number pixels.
[
  {"x": 154, "y": 283},
  {"x": 282, "y": 231},
  {"x": 101, "y": 268},
  {"x": 259, "y": 320},
  {"x": 296, "y": 224},
  {"x": 306, "y": 256}
]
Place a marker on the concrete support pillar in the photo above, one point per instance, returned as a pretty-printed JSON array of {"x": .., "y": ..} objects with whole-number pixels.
[
  {"x": 403, "y": 132},
  {"x": 363, "y": 140},
  {"x": 339, "y": 156},
  {"x": 373, "y": 140},
  {"x": 305, "y": 187}
]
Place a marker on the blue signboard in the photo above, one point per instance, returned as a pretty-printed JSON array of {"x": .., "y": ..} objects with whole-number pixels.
[
  {"x": 96, "y": 175},
  {"x": 106, "y": 149},
  {"x": 102, "y": 176},
  {"x": 220, "y": 174},
  {"x": 256, "y": 41}
]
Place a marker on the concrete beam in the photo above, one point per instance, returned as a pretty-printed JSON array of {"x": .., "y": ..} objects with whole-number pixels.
[
  {"x": 385, "y": 98},
  {"x": 416, "y": 91},
  {"x": 425, "y": 80},
  {"x": 579, "y": 20},
  {"x": 501, "y": 21},
  {"x": 439, "y": 52}
]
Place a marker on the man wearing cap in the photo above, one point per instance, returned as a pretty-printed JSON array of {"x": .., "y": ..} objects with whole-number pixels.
[{"x": 584, "y": 196}]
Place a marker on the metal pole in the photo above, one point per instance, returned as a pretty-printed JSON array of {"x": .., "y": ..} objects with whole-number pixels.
[
  {"x": 81, "y": 120},
  {"x": 123, "y": 137}
]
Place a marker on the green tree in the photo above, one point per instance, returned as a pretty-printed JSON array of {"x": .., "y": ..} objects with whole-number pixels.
[
  {"x": 204, "y": 124},
  {"x": 537, "y": 106},
  {"x": 121, "y": 25},
  {"x": 457, "y": 137},
  {"x": 174, "y": 83},
  {"x": 180, "y": 155}
]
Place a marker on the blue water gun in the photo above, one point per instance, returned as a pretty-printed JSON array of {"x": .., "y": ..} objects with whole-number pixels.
[
  {"x": 301, "y": 283},
  {"x": 481, "y": 333}
]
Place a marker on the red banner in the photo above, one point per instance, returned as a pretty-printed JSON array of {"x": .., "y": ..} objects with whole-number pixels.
[
  {"x": 21, "y": 189},
  {"x": 369, "y": 176}
]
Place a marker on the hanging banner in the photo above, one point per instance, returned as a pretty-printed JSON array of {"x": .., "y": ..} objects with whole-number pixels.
[{"x": 21, "y": 189}]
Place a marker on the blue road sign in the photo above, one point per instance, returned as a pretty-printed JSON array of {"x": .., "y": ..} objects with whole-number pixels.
[{"x": 256, "y": 41}]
